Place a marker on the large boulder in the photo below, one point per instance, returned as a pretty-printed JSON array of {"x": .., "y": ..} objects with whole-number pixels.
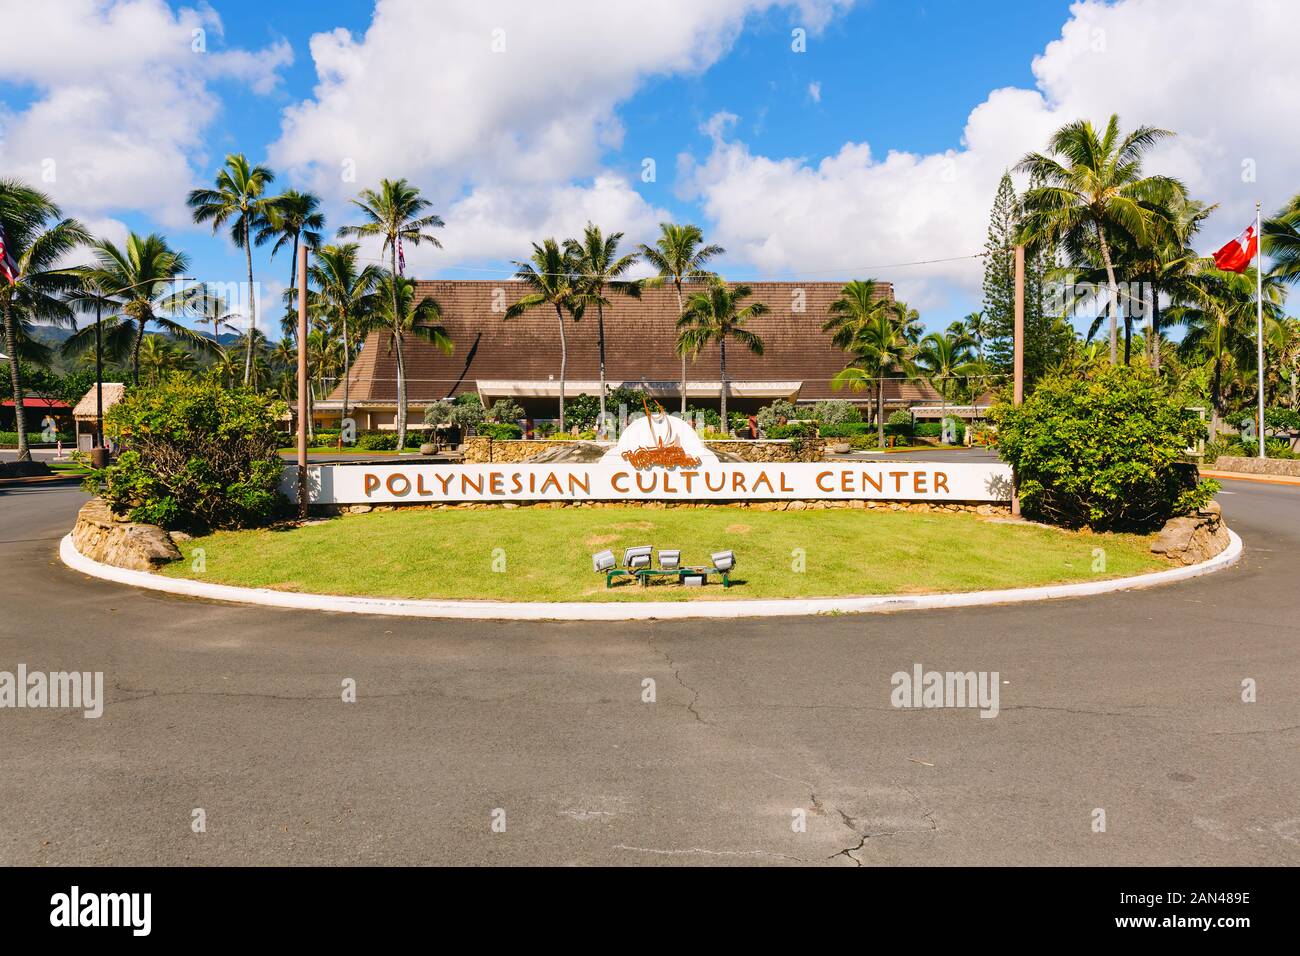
[
  {"x": 102, "y": 536},
  {"x": 1193, "y": 538}
]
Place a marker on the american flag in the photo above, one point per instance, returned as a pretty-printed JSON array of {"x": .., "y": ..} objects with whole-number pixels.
[
  {"x": 401, "y": 258},
  {"x": 8, "y": 267}
]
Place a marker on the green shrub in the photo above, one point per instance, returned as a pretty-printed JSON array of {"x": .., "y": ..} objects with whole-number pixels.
[
  {"x": 1102, "y": 449},
  {"x": 195, "y": 455},
  {"x": 793, "y": 430},
  {"x": 705, "y": 417},
  {"x": 928, "y": 429},
  {"x": 770, "y": 415},
  {"x": 846, "y": 430},
  {"x": 500, "y": 431},
  {"x": 466, "y": 412},
  {"x": 836, "y": 411},
  {"x": 377, "y": 441},
  {"x": 36, "y": 438},
  {"x": 504, "y": 410},
  {"x": 899, "y": 423},
  {"x": 1249, "y": 448},
  {"x": 438, "y": 413}
]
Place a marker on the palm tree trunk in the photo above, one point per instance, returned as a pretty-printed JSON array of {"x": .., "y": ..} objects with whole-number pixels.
[
  {"x": 1214, "y": 397},
  {"x": 564, "y": 361},
  {"x": 252, "y": 303},
  {"x": 347, "y": 349},
  {"x": 397, "y": 339},
  {"x": 600, "y": 336},
  {"x": 722, "y": 371},
  {"x": 1128, "y": 334},
  {"x": 880, "y": 410},
  {"x": 401, "y": 393},
  {"x": 681, "y": 308},
  {"x": 135, "y": 350},
  {"x": 15, "y": 381},
  {"x": 1155, "y": 328},
  {"x": 1114, "y": 294}
]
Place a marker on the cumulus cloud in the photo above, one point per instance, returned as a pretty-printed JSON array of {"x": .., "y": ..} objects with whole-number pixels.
[
  {"x": 855, "y": 209},
  {"x": 501, "y": 111},
  {"x": 116, "y": 117}
]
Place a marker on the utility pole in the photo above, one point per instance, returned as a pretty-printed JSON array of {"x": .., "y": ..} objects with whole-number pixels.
[
  {"x": 1018, "y": 338},
  {"x": 302, "y": 380}
]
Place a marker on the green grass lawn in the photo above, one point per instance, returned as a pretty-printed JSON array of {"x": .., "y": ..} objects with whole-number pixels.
[{"x": 418, "y": 553}]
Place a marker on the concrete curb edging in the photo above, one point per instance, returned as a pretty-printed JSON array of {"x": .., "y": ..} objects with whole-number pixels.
[{"x": 620, "y": 611}]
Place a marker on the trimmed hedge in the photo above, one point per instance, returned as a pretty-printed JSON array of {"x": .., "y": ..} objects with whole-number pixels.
[{"x": 500, "y": 431}]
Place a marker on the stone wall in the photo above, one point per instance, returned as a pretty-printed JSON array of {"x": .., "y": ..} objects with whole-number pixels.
[
  {"x": 102, "y": 536},
  {"x": 1194, "y": 538},
  {"x": 479, "y": 450},
  {"x": 1286, "y": 467},
  {"x": 777, "y": 450}
]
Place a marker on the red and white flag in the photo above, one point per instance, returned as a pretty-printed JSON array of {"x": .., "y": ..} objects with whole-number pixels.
[
  {"x": 8, "y": 267},
  {"x": 1236, "y": 255}
]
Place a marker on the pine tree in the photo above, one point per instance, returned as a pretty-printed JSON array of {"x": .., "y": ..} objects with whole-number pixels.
[
  {"x": 1000, "y": 277},
  {"x": 1046, "y": 340}
]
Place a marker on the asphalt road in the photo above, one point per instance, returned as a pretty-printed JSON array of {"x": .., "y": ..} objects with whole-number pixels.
[{"x": 1129, "y": 703}]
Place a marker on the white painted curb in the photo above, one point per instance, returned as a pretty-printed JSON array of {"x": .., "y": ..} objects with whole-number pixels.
[{"x": 627, "y": 611}]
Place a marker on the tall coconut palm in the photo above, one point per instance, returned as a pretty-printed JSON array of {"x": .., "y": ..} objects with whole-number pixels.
[
  {"x": 717, "y": 315},
  {"x": 550, "y": 276},
  {"x": 37, "y": 238},
  {"x": 1092, "y": 187},
  {"x": 599, "y": 267},
  {"x": 395, "y": 213},
  {"x": 1283, "y": 337},
  {"x": 679, "y": 255},
  {"x": 403, "y": 314},
  {"x": 239, "y": 197},
  {"x": 159, "y": 358},
  {"x": 1219, "y": 318},
  {"x": 943, "y": 359},
  {"x": 976, "y": 328},
  {"x": 1281, "y": 238},
  {"x": 860, "y": 302},
  {"x": 878, "y": 346},
  {"x": 342, "y": 293},
  {"x": 292, "y": 218},
  {"x": 143, "y": 280}
]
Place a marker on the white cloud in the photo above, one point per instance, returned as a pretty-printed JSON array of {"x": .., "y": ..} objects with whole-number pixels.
[
  {"x": 118, "y": 112},
  {"x": 501, "y": 111},
  {"x": 815, "y": 92},
  {"x": 1160, "y": 62}
]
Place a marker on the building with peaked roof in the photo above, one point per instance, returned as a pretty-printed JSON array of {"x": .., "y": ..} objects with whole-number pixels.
[
  {"x": 85, "y": 412},
  {"x": 520, "y": 358}
]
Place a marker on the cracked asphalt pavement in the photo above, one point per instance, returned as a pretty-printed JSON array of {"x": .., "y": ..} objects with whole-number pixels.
[{"x": 1130, "y": 703}]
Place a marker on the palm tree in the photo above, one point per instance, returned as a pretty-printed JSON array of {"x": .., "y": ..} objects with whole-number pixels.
[
  {"x": 36, "y": 240},
  {"x": 715, "y": 316},
  {"x": 342, "y": 292},
  {"x": 142, "y": 282},
  {"x": 402, "y": 315},
  {"x": 292, "y": 218},
  {"x": 1219, "y": 318},
  {"x": 395, "y": 213},
  {"x": 1283, "y": 337},
  {"x": 1281, "y": 237},
  {"x": 240, "y": 199},
  {"x": 679, "y": 254},
  {"x": 943, "y": 358},
  {"x": 599, "y": 266},
  {"x": 976, "y": 328},
  {"x": 1093, "y": 185},
  {"x": 158, "y": 357},
  {"x": 878, "y": 346},
  {"x": 550, "y": 277}
]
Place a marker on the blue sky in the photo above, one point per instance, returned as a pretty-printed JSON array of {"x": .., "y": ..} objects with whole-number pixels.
[{"x": 880, "y": 143}]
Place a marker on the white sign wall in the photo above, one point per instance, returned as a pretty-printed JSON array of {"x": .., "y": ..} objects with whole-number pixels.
[{"x": 606, "y": 481}]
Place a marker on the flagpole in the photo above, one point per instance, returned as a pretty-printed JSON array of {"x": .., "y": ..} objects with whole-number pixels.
[{"x": 1259, "y": 325}]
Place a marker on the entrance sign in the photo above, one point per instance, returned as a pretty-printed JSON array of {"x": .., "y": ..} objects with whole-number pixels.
[
  {"x": 657, "y": 458},
  {"x": 606, "y": 481}
]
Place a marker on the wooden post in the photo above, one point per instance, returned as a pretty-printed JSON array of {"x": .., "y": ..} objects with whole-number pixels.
[
  {"x": 1019, "y": 350},
  {"x": 302, "y": 380}
]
